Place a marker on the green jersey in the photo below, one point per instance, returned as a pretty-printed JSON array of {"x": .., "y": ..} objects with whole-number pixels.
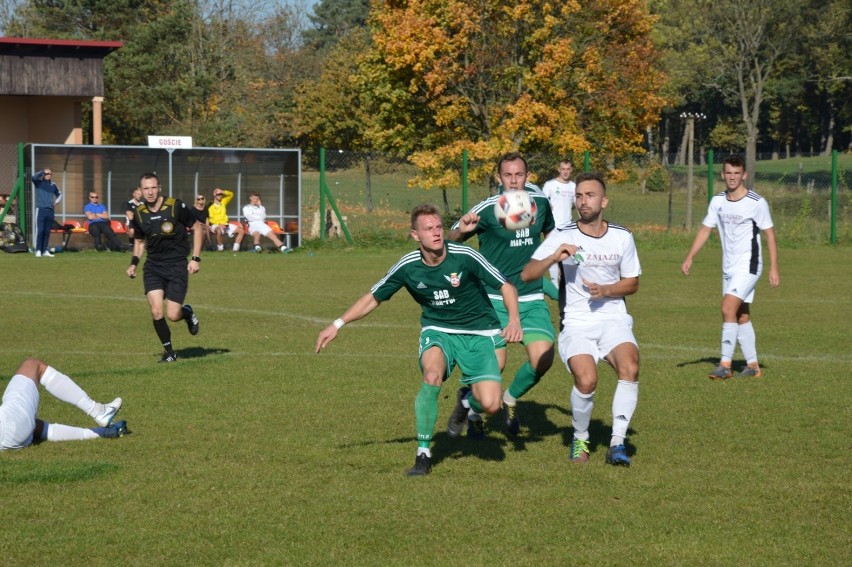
[
  {"x": 452, "y": 294},
  {"x": 511, "y": 250}
]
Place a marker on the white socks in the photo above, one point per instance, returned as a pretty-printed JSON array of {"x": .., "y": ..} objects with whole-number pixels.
[
  {"x": 623, "y": 405},
  {"x": 746, "y": 338},
  {"x": 729, "y": 341},
  {"x": 59, "y": 432},
  {"x": 581, "y": 413},
  {"x": 236, "y": 247},
  {"x": 65, "y": 389}
]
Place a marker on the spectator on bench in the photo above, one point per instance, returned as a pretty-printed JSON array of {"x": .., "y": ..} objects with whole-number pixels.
[
  {"x": 202, "y": 215},
  {"x": 219, "y": 224},
  {"x": 255, "y": 215},
  {"x": 99, "y": 224}
]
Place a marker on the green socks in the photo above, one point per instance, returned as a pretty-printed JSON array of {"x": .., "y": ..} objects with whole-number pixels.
[
  {"x": 524, "y": 380},
  {"x": 426, "y": 413}
]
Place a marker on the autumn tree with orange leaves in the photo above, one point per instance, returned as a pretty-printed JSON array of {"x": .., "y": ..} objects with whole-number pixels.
[{"x": 488, "y": 76}]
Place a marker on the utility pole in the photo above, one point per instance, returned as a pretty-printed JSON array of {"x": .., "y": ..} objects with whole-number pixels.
[{"x": 690, "y": 118}]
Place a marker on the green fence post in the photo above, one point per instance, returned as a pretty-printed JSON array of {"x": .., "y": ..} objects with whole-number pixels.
[
  {"x": 834, "y": 196},
  {"x": 322, "y": 194},
  {"x": 587, "y": 161},
  {"x": 709, "y": 175},
  {"x": 464, "y": 182}
]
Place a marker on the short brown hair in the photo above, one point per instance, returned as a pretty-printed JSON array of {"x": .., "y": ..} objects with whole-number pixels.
[
  {"x": 591, "y": 176},
  {"x": 511, "y": 156},
  {"x": 421, "y": 211},
  {"x": 734, "y": 161}
]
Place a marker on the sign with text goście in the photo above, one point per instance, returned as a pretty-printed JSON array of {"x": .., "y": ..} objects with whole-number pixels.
[{"x": 166, "y": 142}]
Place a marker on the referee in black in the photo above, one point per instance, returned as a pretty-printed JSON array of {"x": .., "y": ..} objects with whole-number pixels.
[{"x": 160, "y": 227}]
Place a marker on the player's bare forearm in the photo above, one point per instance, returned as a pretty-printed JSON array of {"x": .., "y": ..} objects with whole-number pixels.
[
  {"x": 535, "y": 269},
  {"x": 700, "y": 240},
  {"x": 467, "y": 224},
  {"x": 772, "y": 250},
  {"x": 358, "y": 310},
  {"x": 513, "y": 332},
  {"x": 621, "y": 288}
]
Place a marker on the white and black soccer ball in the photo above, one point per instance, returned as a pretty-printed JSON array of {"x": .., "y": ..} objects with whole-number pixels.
[{"x": 515, "y": 209}]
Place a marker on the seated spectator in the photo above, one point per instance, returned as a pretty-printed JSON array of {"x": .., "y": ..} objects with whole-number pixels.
[
  {"x": 99, "y": 224},
  {"x": 218, "y": 219},
  {"x": 202, "y": 215},
  {"x": 255, "y": 214},
  {"x": 130, "y": 211}
]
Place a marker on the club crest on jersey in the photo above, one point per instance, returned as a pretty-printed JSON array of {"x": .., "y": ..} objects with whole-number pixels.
[
  {"x": 454, "y": 279},
  {"x": 167, "y": 227}
]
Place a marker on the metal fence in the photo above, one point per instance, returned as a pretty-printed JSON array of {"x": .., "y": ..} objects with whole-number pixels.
[
  {"x": 370, "y": 189},
  {"x": 113, "y": 171}
]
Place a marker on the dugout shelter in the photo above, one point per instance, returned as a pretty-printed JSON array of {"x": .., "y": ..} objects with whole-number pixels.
[{"x": 114, "y": 171}]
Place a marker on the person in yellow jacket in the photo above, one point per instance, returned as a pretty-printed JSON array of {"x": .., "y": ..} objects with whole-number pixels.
[{"x": 219, "y": 225}]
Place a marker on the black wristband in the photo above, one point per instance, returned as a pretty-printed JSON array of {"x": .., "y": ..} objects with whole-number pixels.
[
  {"x": 134, "y": 261},
  {"x": 195, "y": 259}
]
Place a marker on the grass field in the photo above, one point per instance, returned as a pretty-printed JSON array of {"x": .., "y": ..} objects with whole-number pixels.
[{"x": 252, "y": 450}]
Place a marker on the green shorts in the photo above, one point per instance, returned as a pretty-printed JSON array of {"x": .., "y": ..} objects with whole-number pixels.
[
  {"x": 474, "y": 354},
  {"x": 535, "y": 320}
]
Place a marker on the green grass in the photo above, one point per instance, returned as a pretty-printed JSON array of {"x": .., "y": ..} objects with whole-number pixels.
[{"x": 252, "y": 450}]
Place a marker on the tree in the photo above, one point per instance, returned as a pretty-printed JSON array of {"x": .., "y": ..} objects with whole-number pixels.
[
  {"x": 737, "y": 48},
  {"x": 334, "y": 20},
  {"x": 536, "y": 75}
]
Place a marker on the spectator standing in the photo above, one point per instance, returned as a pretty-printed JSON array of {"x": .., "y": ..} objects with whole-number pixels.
[{"x": 47, "y": 196}]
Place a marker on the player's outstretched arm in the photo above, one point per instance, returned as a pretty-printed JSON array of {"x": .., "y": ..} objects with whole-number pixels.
[
  {"x": 360, "y": 309},
  {"x": 535, "y": 269},
  {"x": 700, "y": 240}
]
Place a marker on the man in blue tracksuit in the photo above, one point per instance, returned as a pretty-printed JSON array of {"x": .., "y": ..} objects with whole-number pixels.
[{"x": 47, "y": 195}]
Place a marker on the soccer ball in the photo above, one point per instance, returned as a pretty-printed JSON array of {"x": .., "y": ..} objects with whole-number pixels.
[{"x": 515, "y": 209}]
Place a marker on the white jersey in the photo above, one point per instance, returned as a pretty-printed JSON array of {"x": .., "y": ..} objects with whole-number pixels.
[
  {"x": 561, "y": 197},
  {"x": 254, "y": 213},
  {"x": 606, "y": 260},
  {"x": 739, "y": 223}
]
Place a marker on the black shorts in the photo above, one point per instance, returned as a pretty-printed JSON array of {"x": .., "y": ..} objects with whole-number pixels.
[{"x": 172, "y": 278}]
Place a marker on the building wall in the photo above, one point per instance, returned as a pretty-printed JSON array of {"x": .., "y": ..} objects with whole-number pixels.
[{"x": 41, "y": 120}]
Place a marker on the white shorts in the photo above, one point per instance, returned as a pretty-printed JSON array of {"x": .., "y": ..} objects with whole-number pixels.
[
  {"x": 596, "y": 338},
  {"x": 18, "y": 413},
  {"x": 231, "y": 229},
  {"x": 259, "y": 226},
  {"x": 740, "y": 285}
]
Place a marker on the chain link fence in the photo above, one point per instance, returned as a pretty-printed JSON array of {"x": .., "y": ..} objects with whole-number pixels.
[{"x": 376, "y": 192}]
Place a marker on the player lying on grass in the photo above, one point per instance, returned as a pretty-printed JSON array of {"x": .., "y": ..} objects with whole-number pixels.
[
  {"x": 458, "y": 325},
  {"x": 19, "y": 426}
]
